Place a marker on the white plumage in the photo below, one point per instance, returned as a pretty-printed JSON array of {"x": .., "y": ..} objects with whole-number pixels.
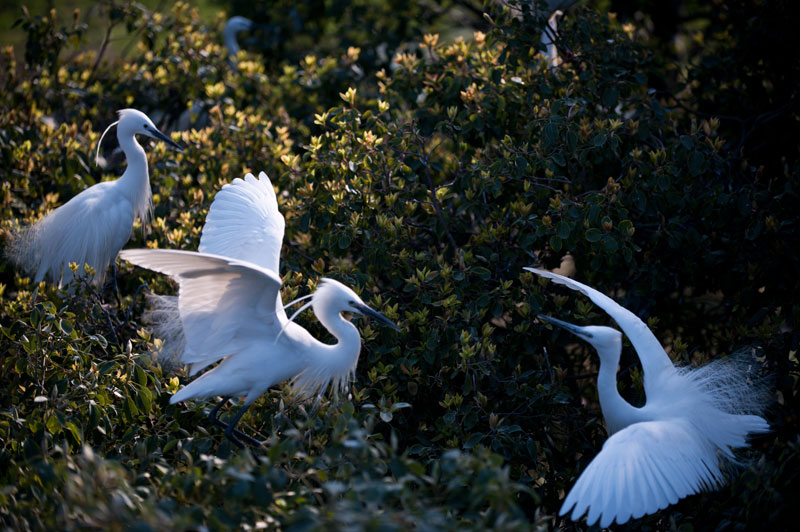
[
  {"x": 672, "y": 446},
  {"x": 230, "y": 309},
  {"x": 93, "y": 226}
]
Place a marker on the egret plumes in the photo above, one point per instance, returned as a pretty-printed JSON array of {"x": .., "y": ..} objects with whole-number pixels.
[
  {"x": 229, "y": 308},
  {"x": 672, "y": 446},
  {"x": 93, "y": 226}
]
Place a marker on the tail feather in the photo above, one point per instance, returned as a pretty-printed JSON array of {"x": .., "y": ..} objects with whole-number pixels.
[{"x": 165, "y": 319}]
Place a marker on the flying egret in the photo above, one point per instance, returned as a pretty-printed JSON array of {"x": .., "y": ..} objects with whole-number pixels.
[
  {"x": 94, "y": 225},
  {"x": 672, "y": 446},
  {"x": 230, "y": 308}
]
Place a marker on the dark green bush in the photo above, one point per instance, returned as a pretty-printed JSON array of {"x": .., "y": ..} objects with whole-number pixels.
[{"x": 427, "y": 187}]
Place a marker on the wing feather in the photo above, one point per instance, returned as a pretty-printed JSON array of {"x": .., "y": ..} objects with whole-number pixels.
[
  {"x": 641, "y": 469},
  {"x": 244, "y": 223},
  {"x": 651, "y": 354},
  {"x": 222, "y": 301}
]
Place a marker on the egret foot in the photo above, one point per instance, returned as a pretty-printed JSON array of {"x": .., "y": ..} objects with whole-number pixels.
[{"x": 232, "y": 433}]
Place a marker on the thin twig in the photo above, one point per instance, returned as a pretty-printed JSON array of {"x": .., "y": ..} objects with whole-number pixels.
[
  {"x": 100, "y": 53},
  {"x": 432, "y": 188}
]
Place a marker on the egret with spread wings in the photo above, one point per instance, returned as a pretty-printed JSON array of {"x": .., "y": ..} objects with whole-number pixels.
[
  {"x": 229, "y": 307},
  {"x": 672, "y": 446}
]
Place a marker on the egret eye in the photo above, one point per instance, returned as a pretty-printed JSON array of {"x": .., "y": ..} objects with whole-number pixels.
[{"x": 145, "y": 126}]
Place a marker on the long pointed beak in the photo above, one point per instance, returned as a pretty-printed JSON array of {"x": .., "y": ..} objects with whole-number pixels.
[
  {"x": 374, "y": 314},
  {"x": 574, "y": 329},
  {"x": 156, "y": 134}
]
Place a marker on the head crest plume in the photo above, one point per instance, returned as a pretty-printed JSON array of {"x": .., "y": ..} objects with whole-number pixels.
[
  {"x": 100, "y": 142},
  {"x": 301, "y": 309}
]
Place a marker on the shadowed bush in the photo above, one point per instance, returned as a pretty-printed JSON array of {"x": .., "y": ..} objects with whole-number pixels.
[{"x": 427, "y": 187}]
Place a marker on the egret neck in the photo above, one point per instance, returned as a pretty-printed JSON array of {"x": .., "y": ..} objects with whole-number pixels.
[
  {"x": 135, "y": 181},
  {"x": 617, "y": 412}
]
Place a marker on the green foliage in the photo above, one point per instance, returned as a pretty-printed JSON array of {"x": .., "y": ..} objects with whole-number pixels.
[{"x": 427, "y": 187}]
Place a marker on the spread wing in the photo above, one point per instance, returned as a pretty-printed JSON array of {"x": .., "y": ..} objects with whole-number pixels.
[
  {"x": 223, "y": 302},
  {"x": 653, "y": 357},
  {"x": 642, "y": 469},
  {"x": 244, "y": 223}
]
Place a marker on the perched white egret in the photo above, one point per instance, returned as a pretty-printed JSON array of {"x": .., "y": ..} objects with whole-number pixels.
[
  {"x": 555, "y": 10},
  {"x": 94, "y": 225},
  {"x": 673, "y": 445},
  {"x": 232, "y": 27},
  {"x": 230, "y": 308}
]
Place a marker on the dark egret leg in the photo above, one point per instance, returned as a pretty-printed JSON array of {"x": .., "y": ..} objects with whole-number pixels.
[
  {"x": 133, "y": 301},
  {"x": 212, "y": 416},
  {"x": 114, "y": 283},
  {"x": 230, "y": 432}
]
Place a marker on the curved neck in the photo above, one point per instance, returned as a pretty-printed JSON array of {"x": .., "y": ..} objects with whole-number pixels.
[
  {"x": 341, "y": 329},
  {"x": 331, "y": 363},
  {"x": 229, "y": 36},
  {"x": 135, "y": 181},
  {"x": 617, "y": 412}
]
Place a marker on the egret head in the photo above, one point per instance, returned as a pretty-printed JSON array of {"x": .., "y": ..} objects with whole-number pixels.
[
  {"x": 237, "y": 24},
  {"x": 333, "y": 295},
  {"x": 232, "y": 27},
  {"x": 133, "y": 122},
  {"x": 607, "y": 341}
]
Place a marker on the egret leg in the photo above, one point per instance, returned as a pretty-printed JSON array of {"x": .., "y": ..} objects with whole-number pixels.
[
  {"x": 232, "y": 433},
  {"x": 133, "y": 301},
  {"x": 114, "y": 283},
  {"x": 212, "y": 416}
]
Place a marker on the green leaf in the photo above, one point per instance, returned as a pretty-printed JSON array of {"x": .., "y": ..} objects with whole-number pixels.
[
  {"x": 482, "y": 272},
  {"x": 599, "y": 140},
  {"x": 610, "y": 96},
  {"x": 76, "y": 433},
  {"x": 473, "y": 440},
  {"x": 696, "y": 161},
  {"x": 563, "y": 230},
  {"x": 550, "y": 134},
  {"x": 610, "y": 244},
  {"x": 555, "y": 243},
  {"x": 53, "y": 426},
  {"x": 593, "y": 234}
]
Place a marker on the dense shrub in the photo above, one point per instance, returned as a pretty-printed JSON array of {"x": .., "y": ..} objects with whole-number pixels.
[{"x": 426, "y": 186}]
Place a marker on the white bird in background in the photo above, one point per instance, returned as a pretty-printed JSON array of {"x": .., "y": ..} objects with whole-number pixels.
[
  {"x": 230, "y": 308},
  {"x": 555, "y": 10},
  {"x": 232, "y": 27},
  {"x": 672, "y": 446},
  {"x": 94, "y": 225}
]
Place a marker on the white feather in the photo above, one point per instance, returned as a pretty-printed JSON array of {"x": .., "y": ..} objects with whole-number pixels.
[
  {"x": 675, "y": 444},
  {"x": 229, "y": 307},
  {"x": 243, "y": 223},
  {"x": 93, "y": 226}
]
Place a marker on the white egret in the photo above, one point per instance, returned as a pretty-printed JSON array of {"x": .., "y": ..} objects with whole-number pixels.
[
  {"x": 555, "y": 10},
  {"x": 230, "y": 308},
  {"x": 93, "y": 226},
  {"x": 232, "y": 27},
  {"x": 673, "y": 445}
]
